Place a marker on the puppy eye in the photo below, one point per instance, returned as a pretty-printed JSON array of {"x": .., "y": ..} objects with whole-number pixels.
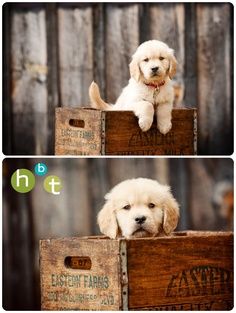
[
  {"x": 151, "y": 205},
  {"x": 127, "y": 207},
  {"x": 161, "y": 58},
  {"x": 146, "y": 60}
]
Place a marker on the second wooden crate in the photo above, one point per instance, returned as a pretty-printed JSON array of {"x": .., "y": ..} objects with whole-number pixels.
[
  {"x": 187, "y": 271},
  {"x": 93, "y": 132}
]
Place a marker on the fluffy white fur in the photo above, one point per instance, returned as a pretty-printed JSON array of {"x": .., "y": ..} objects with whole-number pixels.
[
  {"x": 138, "y": 207},
  {"x": 141, "y": 97}
]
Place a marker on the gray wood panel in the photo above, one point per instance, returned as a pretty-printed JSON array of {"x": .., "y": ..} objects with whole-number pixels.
[
  {"x": 99, "y": 53},
  {"x": 167, "y": 24},
  {"x": 53, "y": 81},
  {"x": 215, "y": 107},
  {"x": 122, "y": 39},
  {"x": 75, "y": 54},
  {"x": 29, "y": 76},
  {"x": 190, "y": 66}
]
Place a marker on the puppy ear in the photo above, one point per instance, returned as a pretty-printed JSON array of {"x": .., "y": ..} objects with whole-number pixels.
[
  {"x": 172, "y": 64},
  {"x": 134, "y": 69},
  {"x": 171, "y": 215},
  {"x": 107, "y": 221}
]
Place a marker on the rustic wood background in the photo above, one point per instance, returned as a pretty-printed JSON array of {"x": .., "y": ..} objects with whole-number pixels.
[
  {"x": 196, "y": 184},
  {"x": 52, "y": 52}
]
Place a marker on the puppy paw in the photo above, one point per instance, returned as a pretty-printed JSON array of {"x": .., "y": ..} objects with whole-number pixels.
[
  {"x": 145, "y": 123},
  {"x": 164, "y": 128}
]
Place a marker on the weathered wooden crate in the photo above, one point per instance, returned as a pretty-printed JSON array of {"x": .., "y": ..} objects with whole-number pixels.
[
  {"x": 94, "y": 132},
  {"x": 188, "y": 271}
]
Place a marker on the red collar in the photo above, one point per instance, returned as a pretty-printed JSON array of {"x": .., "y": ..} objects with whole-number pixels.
[{"x": 156, "y": 86}]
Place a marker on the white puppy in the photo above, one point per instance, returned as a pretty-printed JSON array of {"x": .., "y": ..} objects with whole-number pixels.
[
  {"x": 138, "y": 208},
  {"x": 150, "y": 88}
]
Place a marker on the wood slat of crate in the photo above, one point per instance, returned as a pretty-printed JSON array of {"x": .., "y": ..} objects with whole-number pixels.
[
  {"x": 66, "y": 288},
  {"x": 187, "y": 271},
  {"x": 93, "y": 132}
]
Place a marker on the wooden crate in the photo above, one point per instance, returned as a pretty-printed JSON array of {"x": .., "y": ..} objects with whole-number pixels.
[
  {"x": 93, "y": 132},
  {"x": 188, "y": 271}
]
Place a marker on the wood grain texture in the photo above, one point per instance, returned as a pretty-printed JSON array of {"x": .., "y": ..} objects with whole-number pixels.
[
  {"x": 99, "y": 51},
  {"x": 193, "y": 272},
  {"x": 75, "y": 54},
  {"x": 125, "y": 168},
  {"x": 29, "y": 75},
  {"x": 144, "y": 22},
  {"x": 53, "y": 80},
  {"x": 76, "y": 139},
  {"x": 214, "y": 93},
  {"x": 167, "y": 24},
  {"x": 186, "y": 271},
  {"x": 120, "y": 169},
  {"x": 102, "y": 134},
  {"x": 121, "y": 42},
  {"x": 191, "y": 52},
  {"x": 64, "y": 288},
  {"x": 181, "y": 178},
  {"x": 128, "y": 139}
]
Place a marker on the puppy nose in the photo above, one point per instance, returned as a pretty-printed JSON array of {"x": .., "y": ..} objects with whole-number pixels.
[
  {"x": 140, "y": 220},
  {"x": 155, "y": 69}
]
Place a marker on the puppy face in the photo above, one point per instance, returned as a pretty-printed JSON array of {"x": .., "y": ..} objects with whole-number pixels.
[
  {"x": 152, "y": 62},
  {"x": 138, "y": 208}
]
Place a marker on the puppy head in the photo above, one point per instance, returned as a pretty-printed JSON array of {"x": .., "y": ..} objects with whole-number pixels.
[
  {"x": 138, "y": 208},
  {"x": 153, "y": 61}
]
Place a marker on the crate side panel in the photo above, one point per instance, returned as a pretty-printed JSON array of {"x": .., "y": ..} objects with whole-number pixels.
[
  {"x": 181, "y": 273},
  {"x": 66, "y": 288},
  {"x": 124, "y": 137},
  {"x": 78, "y": 132}
]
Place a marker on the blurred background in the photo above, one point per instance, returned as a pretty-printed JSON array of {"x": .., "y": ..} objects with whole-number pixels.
[
  {"x": 203, "y": 188},
  {"x": 53, "y": 51}
]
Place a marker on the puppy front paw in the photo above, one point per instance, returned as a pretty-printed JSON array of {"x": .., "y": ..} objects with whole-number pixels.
[
  {"x": 164, "y": 128},
  {"x": 145, "y": 123}
]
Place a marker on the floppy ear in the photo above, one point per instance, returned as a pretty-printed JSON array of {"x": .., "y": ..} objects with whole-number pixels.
[
  {"x": 134, "y": 69},
  {"x": 172, "y": 64},
  {"x": 107, "y": 220},
  {"x": 171, "y": 215}
]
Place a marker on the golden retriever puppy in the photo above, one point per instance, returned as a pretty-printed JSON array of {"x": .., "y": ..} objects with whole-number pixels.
[
  {"x": 150, "y": 88},
  {"x": 138, "y": 207}
]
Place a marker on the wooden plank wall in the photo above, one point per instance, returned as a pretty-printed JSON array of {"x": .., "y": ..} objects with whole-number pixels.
[
  {"x": 56, "y": 50},
  {"x": 37, "y": 215},
  {"x": 29, "y": 81}
]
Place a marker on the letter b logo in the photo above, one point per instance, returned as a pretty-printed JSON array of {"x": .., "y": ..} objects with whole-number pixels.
[
  {"x": 22, "y": 180},
  {"x": 40, "y": 169}
]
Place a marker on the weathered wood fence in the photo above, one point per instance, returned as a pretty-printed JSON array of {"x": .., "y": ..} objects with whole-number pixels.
[
  {"x": 53, "y": 51},
  {"x": 37, "y": 215}
]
